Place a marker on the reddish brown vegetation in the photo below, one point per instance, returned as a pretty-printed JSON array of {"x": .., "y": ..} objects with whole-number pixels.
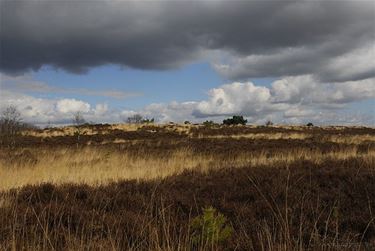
[
  {"x": 301, "y": 205},
  {"x": 329, "y": 203}
]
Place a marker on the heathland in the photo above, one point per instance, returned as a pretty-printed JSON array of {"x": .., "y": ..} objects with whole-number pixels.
[{"x": 188, "y": 187}]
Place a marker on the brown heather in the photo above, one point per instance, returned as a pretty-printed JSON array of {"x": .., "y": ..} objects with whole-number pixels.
[{"x": 139, "y": 187}]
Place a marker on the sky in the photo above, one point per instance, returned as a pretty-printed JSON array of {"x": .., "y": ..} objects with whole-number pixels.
[{"x": 291, "y": 62}]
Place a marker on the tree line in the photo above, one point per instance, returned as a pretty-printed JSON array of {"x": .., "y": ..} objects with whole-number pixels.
[{"x": 11, "y": 123}]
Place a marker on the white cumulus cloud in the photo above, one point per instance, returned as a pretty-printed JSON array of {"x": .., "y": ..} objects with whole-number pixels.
[
  {"x": 288, "y": 100},
  {"x": 235, "y": 98},
  {"x": 72, "y": 105}
]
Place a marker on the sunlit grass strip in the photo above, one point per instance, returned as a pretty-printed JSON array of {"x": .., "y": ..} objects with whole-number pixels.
[{"x": 95, "y": 166}]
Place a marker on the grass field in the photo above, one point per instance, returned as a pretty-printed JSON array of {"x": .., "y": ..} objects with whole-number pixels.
[{"x": 189, "y": 187}]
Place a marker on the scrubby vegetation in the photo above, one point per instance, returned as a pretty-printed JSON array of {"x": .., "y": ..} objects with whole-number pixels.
[
  {"x": 11, "y": 126},
  {"x": 189, "y": 187},
  {"x": 309, "y": 124},
  {"x": 269, "y": 123},
  {"x": 209, "y": 123},
  {"x": 235, "y": 120},
  {"x": 139, "y": 119}
]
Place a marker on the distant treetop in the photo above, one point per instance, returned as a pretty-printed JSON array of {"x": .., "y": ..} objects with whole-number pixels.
[{"x": 235, "y": 120}]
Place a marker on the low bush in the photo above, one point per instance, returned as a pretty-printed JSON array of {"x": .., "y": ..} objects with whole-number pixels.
[
  {"x": 235, "y": 120},
  {"x": 209, "y": 123}
]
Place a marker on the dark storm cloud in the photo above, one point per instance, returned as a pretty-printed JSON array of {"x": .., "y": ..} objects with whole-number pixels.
[{"x": 290, "y": 37}]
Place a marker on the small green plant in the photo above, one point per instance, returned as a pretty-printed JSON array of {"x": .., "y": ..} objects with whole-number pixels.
[
  {"x": 235, "y": 120},
  {"x": 210, "y": 227}
]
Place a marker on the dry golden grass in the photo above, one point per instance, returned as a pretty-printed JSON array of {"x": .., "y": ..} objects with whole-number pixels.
[
  {"x": 351, "y": 139},
  {"x": 268, "y": 136},
  {"x": 293, "y": 170},
  {"x": 87, "y": 130},
  {"x": 94, "y": 166},
  {"x": 301, "y": 134},
  {"x": 97, "y": 165}
]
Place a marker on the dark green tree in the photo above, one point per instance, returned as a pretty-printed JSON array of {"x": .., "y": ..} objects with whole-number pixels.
[
  {"x": 235, "y": 120},
  {"x": 309, "y": 124}
]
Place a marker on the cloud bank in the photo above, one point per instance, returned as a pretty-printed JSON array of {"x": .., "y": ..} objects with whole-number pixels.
[
  {"x": 322, "y": 54},
  {"x": 288, "y": 100},
  {"x": 333, "y": 41}
]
